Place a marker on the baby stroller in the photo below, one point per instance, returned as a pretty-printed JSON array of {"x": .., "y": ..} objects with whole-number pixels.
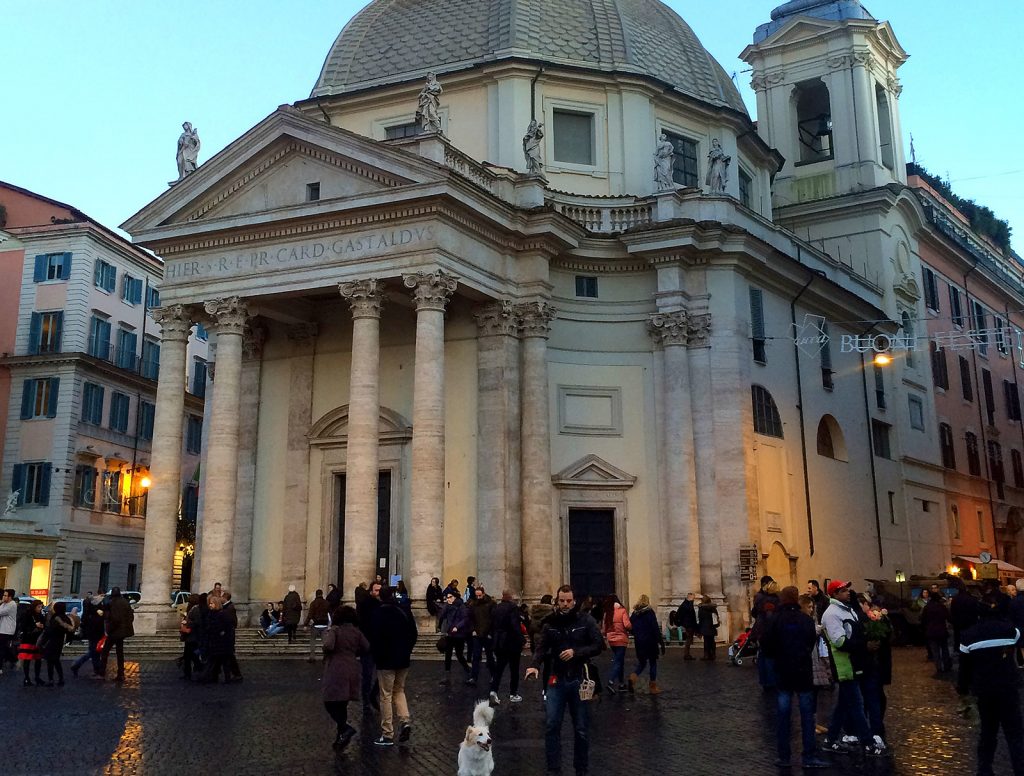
[{"x": 744, "y": 646}]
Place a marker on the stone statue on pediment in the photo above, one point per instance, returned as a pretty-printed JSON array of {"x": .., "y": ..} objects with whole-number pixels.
[
  {"x": 12, "y": 502},
  {"x": 531, "y": 147},
  {"x": 664, "y": 156},
  {"x": 188, "y": 152},
  {"x": 429, "y": 112}
]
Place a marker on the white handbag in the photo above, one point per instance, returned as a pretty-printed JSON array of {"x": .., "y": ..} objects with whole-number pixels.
[{"x": 587, "y": 685}]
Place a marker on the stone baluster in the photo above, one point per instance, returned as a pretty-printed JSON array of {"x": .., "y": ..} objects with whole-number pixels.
[
  {"x": 431, "y": 291},
  {"x": 221, "y": 461},
  {"x": 165, "y": 493},
  {"x": 362, "y": 456},
  {"x": 539, "y": 574}
]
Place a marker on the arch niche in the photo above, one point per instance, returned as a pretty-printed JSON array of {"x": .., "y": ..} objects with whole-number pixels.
[{"x": 328, "y": 443}]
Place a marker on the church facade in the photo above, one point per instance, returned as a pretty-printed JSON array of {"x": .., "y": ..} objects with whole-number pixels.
[{"x": 434, "y": 358}]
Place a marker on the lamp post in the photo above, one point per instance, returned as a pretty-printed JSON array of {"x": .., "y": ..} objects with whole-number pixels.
[{"x": 901, "y": 578}]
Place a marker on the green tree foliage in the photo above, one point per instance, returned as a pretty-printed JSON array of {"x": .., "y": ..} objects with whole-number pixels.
[{"x": 983, "y": 221}]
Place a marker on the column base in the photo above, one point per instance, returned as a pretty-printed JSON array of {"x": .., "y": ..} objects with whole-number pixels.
[{"x": 150, "y": 618}]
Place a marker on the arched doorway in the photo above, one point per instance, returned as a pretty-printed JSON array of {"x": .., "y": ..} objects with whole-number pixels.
[{"x": 780, "y": 566}]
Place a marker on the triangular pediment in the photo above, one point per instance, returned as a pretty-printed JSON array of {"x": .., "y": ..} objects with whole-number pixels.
[
  {"x": 592, "y": 471},
  {"x": 269, "y": 167},
  {"x": 799, "y": 29}
]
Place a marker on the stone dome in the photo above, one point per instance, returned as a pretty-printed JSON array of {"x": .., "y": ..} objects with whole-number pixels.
[{"x": 391, "y": 41}]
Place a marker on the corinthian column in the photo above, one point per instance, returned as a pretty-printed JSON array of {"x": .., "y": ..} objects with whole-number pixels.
[
  {"x": 362, "y": 453},
  {"x": 162, "y": 510},
  {"x": 221, "y": 464},
  {"x": 670, "y": 331},
  {"x": 431, "y": 290},
  {"x": 538, "y": 536}
]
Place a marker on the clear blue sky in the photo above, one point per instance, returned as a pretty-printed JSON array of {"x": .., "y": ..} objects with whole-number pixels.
[{"x": 96, "y": 92}]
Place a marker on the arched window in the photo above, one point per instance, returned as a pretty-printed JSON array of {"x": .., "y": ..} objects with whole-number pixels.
[
  {"x": 766, "y": 414},
  {"x": 813, "y": 121},
  {"x": 831, "y": 442}
]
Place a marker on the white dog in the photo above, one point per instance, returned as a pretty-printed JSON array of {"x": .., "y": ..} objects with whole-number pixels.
[{"x": 475, "y": 757}]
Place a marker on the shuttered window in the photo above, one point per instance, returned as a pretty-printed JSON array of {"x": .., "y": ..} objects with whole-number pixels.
[
  {"x": 52, "y": 266},
  {"x": 39, "y": 398},
  {"x": 757, "y": 325}
]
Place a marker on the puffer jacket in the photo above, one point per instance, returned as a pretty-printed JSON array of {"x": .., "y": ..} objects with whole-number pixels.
[
  {"x": 618, "y": 634},
  {"x": 455, "y": 620},
  {"x": 576, "y": 631},
  {"x": 846, "y": 640}
]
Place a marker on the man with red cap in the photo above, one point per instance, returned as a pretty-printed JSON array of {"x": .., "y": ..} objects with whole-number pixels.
[{"x": 848, "y": 648}]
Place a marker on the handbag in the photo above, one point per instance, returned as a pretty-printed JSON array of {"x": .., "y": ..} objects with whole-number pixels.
[
  {"x": 101, "y": 643},
  {"x": 442, "y": 644},
  {"x": 587, "y": 685}
]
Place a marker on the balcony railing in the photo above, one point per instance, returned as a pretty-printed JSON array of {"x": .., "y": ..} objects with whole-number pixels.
[{"x": 125, "y": 359}]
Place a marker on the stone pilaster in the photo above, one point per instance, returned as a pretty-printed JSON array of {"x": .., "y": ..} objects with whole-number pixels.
[
  {"x": 671, "y": 331},
  {"x": 245, "y": 501},
  {"x": 499, "y": 536},
  {"x": 229, "y": 317},
  {"x": 365, "y": 298},
  {"x": 294, "y": 542},
  {"x": 431, "y": 291},
  {"x": 539, "y": 574},
  {"x": 165, "y": 492}
]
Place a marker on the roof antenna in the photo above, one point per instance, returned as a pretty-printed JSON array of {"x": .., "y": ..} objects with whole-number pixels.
[{"x": 913, "y": 153}]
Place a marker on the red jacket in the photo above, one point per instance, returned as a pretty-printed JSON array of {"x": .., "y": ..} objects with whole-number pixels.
[{"x": 618, "y": 633}]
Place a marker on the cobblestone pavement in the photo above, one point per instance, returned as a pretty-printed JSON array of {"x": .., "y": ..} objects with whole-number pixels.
[{"x": 711, "y": 719}]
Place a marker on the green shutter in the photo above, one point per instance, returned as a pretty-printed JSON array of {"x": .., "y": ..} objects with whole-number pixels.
[
  {"x": 28, "y": 392},
  {"x": 51, "y": 409},
  {"x": 40, "y": 270}
]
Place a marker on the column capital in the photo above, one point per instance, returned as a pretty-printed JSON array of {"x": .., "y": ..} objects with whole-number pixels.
[
  {"x": 669, "y": 329},
  {"x": 303, "y": 333},
  {"x": 699, "y": 331},
  {"x": 535, "y": 318},
  {"x": 365, "y": 297},
  {"x": 253, "y": 338},
  {"x": 431, "y": 290},
  {"x": 229, "y": 314},
  {"x": 175, "y": 321},
  {"x": 497, "y": 318}
]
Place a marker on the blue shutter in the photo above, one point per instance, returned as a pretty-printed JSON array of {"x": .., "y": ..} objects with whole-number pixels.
[
  {"x": 97, "y": 273},
  {"x": 136, "y": 290},
  {"x": 104, "y": 339},
  {"x": 28, "y": 393},
  {"x": 65, "y": 267},
  {"x": 111, "y": 277},
  {"x": 18, "y": 482},
  {"x": 40, "y": 271},
  {"x": 35, "y": 329},
  {"x": 58, "y": 330},
  {"x": 44, "y": 486},
  {"x": 51, "y": 409}
]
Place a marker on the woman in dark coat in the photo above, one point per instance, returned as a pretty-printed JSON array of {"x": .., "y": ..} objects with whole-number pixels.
[
  {"x": 192, "y": 622},
  {"x": 92, "y": 632},
  {"x": 31, "y": 625},
  {"x": 343, "y": 643},
  {"x": 220, "y": 641},
  {"x": 707, "y": 626},
  {"x": 648, "y": 640},
  {"x": 435, "y": 600},
  {"x": 935, "y": 619},
  {"x": 456, "y": 627},
  {"x": 55, "y": 636}
]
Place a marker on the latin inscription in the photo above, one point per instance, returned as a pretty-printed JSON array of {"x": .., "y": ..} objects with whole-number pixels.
[{"x": 265, "y": 259}]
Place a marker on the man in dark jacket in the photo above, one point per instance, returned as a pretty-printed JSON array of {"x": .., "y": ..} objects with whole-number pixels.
[
  {"x": 118, "y": 619},
  {"x": 481, "y": 612},
  {"x": 507, "y": 632},
  {"x": 333, "y": 597},
  {"x": 1017, "y": 618},
  {"x": 686, "y": 618},
  {"x": 392, "y": 637},
  {"x": 818, "y": 596},
  {"x": 567, "y": 641},
  {"x": 92, "y": 632},
  {"x": 935, "y": 619},
  {"x": 316, "y": 620},
  {"x": 988, "y": 668},
  {"x": 790, "y": 639},
  {"x": 292, "y": 613},
  {"x": 963, "y": 613},
  {"x": 366, "y": 605}
]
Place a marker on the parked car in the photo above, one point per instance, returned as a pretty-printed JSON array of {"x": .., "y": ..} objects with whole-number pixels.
[
  {"x": 179, "y": 601},
  {"x": 133, "y": 596},
  {"x": 72, "y": 604}
]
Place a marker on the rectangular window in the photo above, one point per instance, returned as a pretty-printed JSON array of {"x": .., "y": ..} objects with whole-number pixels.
[
  {"x": 684, "y": 163},
  {"x": 152, "y": 298},
  {"x": 199, "y": 378},
  {"x": 194, "y": 434},
  {"x": 119, "y": 406},
  {"x": 32, "y": 482},
  {"x": 916, "y": 407},
  {"x": 190, "y": 502},
  {"x": 201, "y": 333},
  {"x": 104, "y": 583},
  {"x": 892, "y": 507},
  {"x": 92, "y": 403},
  {"x": 147, "y": 414},
  {"x": 76, "y": 577},
  {"x": 586, "y": 286},
  {"x": 757, "y": 325},
  {"x": 399, "y": 131},
  {"x": 131, "y": 289},
  {"x": 130, "y": 580},
  {"x": 99, "y": 338},
  {"x": 973, "y": 459},
  {"x": 112, "y": 491},
  {"x": 52, "y": 266},
  {"x": 990, "y": 399},
  {"x": 879, "y": 388},
  {"x": 39, "y": 398},
  {"x": 979, "y": 325},
  {"x": 1000, "y": 334},
  {"x": 1018, "y": 468},
  {"x": 955, "y": 520},
  {"x": 127, "y": 341},
  {"x": 995, "y": 467},
  {"x": 955, "y": 308},
  {"x": 44, "y": 334},
  {"x": 946, "y": 445},
  {"x": 574, "y": 137},
  {"x": 880, "y": 439},
  {"x": 826, "y": 360},
  {"x": 931, "y": 290},
  {"x": 940, "y": 375},
  {"x": 965, "y": 379},
  {"x": 85, "y": 486},
  {"x": 150, "y": 359},
  {"x": 746, "y": 182},
  {"x": 104, "y": 276},
  {"x": 1012, "y": 400},
  {"x": 313, "y": 191},
  {"x": 981, "y": 526}
]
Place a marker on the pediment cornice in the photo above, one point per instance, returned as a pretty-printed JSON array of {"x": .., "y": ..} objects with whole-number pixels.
[{"x": 592, "y": 471}]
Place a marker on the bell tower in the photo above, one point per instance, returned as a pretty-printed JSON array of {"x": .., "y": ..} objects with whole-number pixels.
[{"x": 828, "y": 99}]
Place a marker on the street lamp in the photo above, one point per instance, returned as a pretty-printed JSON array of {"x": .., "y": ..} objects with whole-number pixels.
[
  {"x": 901, "y": 578},
  {"x": 882, "y": 359}
]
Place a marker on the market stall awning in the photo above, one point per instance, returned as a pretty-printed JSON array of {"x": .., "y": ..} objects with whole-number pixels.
[{"x": 1004, "y": 567}]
